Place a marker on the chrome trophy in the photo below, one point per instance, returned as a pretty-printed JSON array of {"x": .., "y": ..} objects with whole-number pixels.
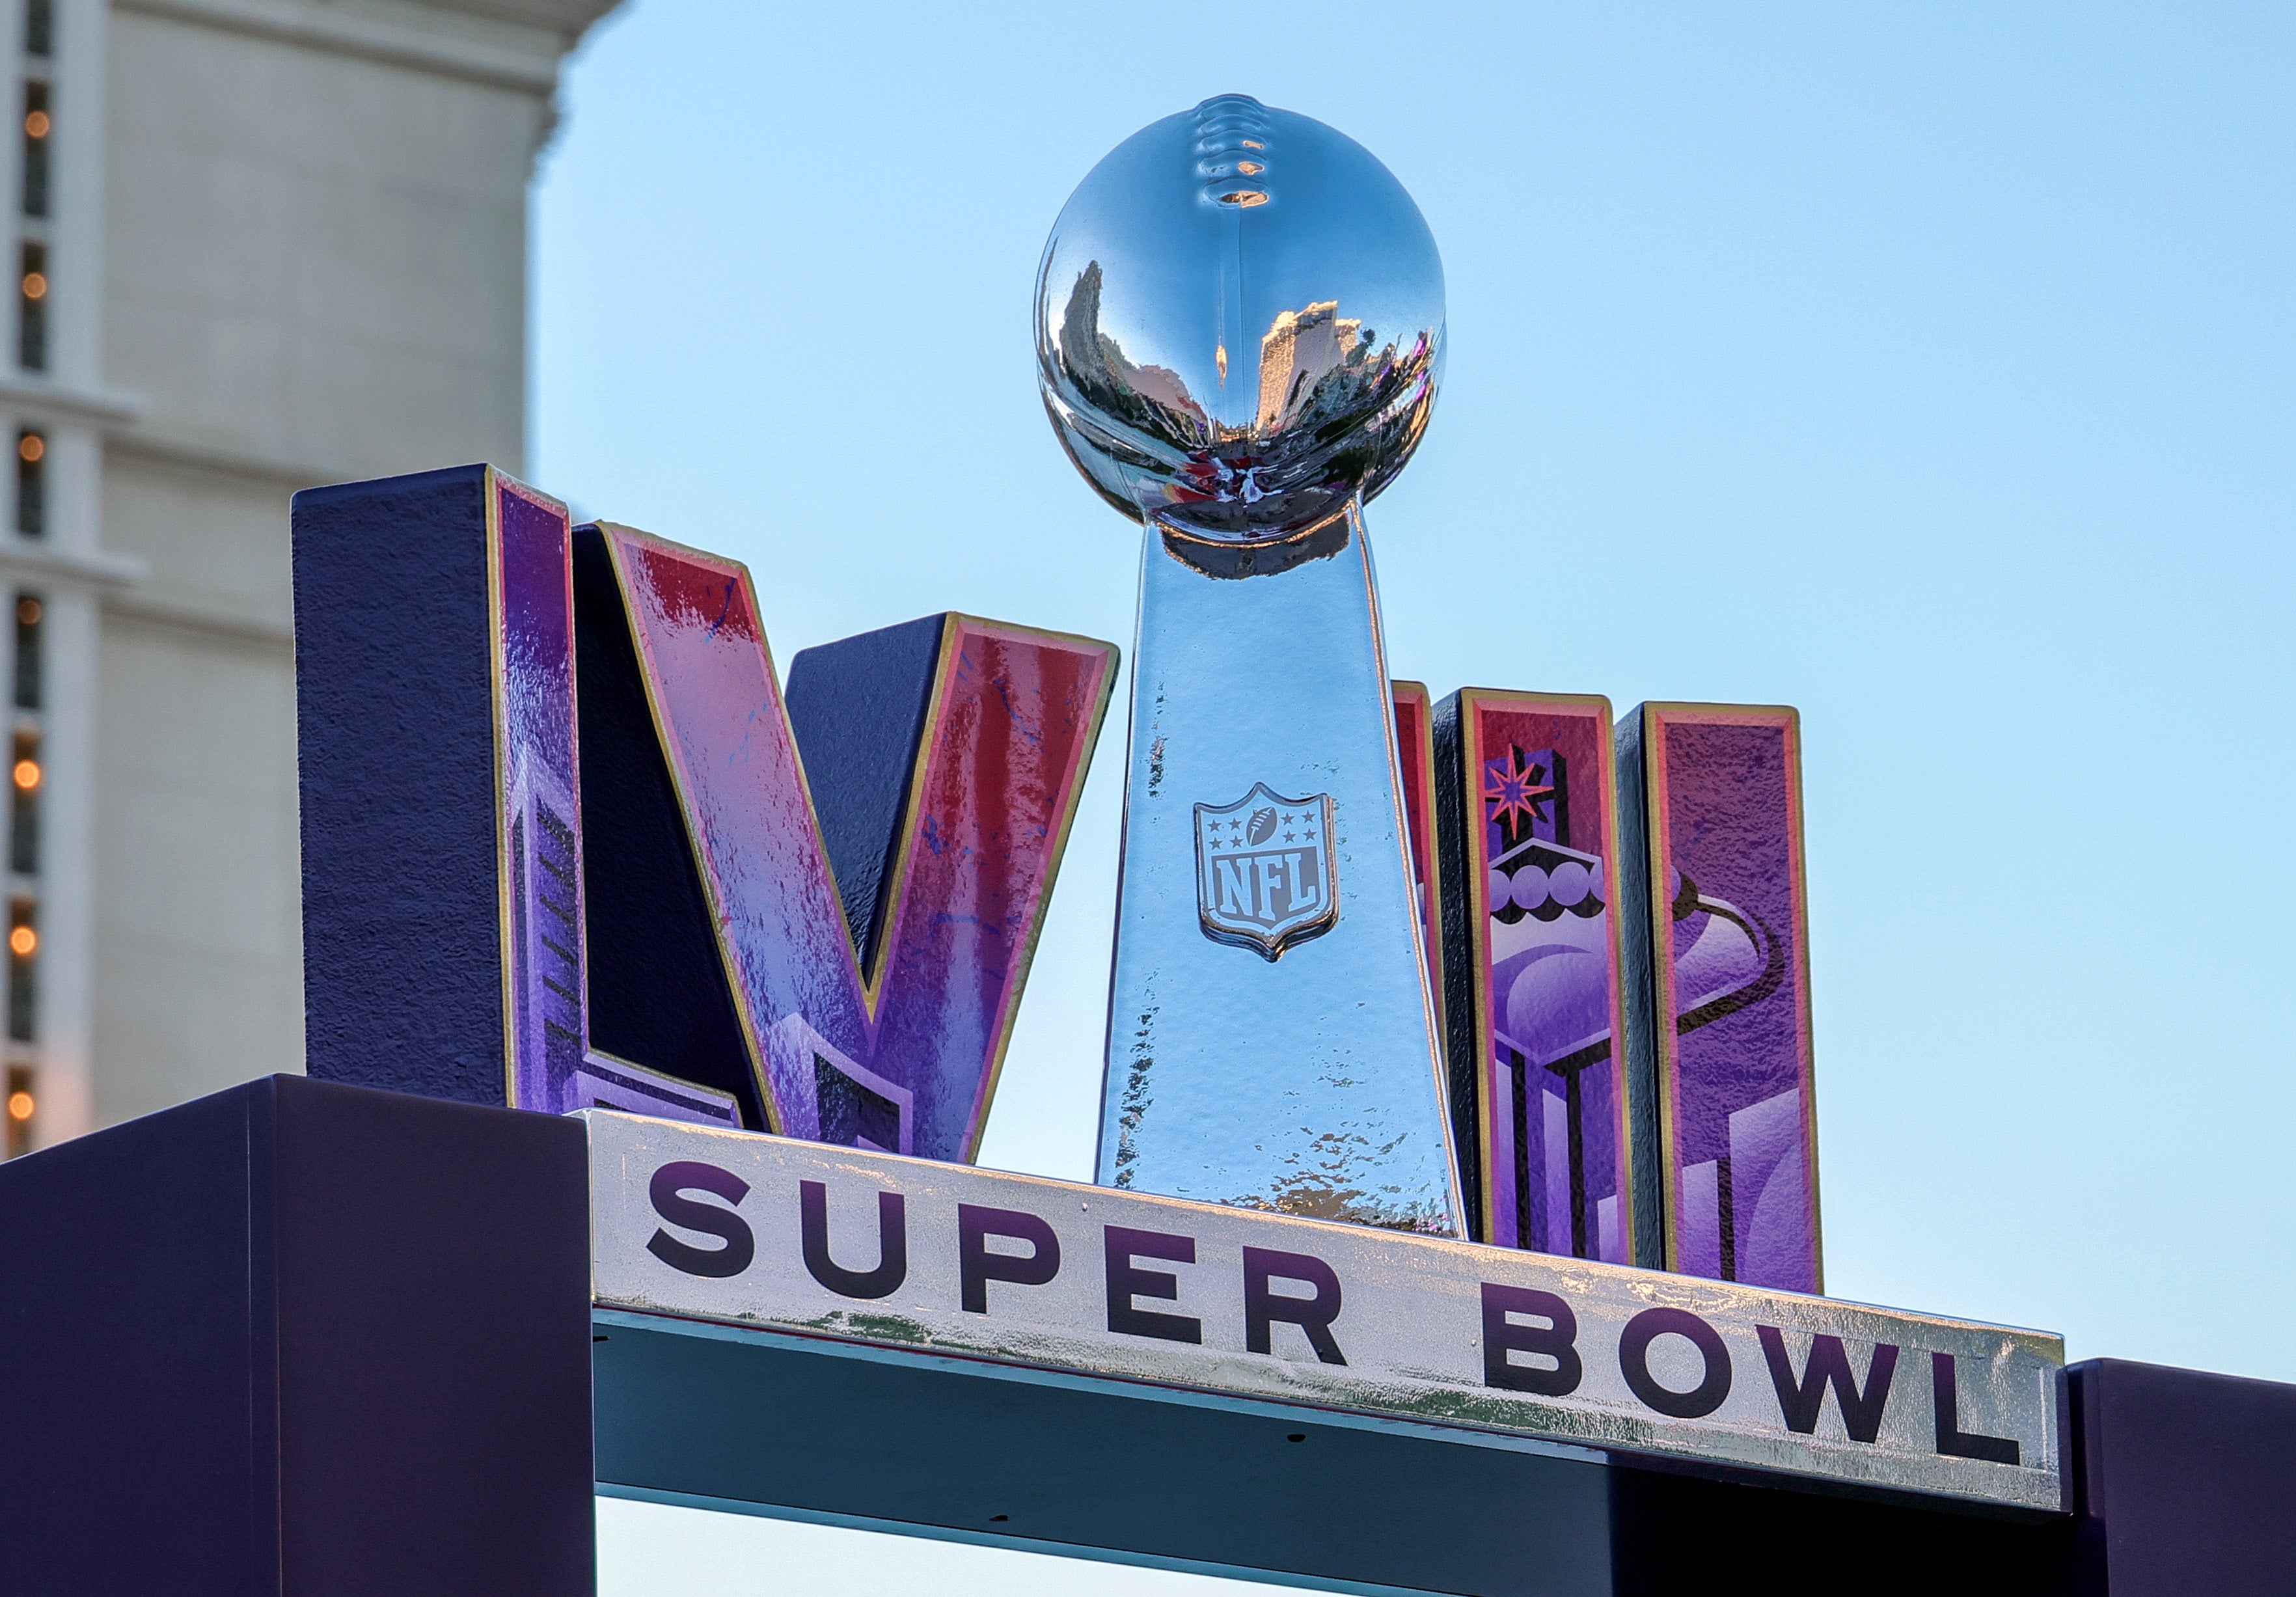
[{"x": 1239, "y": 338}]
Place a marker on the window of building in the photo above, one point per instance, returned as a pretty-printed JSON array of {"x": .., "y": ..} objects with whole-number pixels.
[
  {"x": 23, "y": 948},
  {"x": 39, "y": 27},
  {"x": 24, "y": 778},
  {"x": 29, "y": 612},
  {"x": 37, "y": 126},
  {"x": 32, "y": 312},
  {"x": 32, "y": 483},
  {"x": 22, "y": 1105}
]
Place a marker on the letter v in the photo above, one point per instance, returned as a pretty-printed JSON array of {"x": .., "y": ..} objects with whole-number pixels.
[{"x": 722, "y": 949}]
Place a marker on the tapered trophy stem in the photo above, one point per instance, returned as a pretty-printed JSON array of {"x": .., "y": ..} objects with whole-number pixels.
[{"x": 1272, "y": 1037}]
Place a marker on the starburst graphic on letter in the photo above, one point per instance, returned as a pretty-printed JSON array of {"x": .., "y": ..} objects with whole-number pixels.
[{"x": 1517, "y": 790}]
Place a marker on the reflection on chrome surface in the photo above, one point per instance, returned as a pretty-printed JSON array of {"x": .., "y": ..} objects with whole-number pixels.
[
  {"x": 1239, "y": 323},
  {"x": 1238, "y": 330}
]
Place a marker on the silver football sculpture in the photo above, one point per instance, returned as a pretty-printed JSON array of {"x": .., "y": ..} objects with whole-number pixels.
[{"x": 1239, "y": 323}]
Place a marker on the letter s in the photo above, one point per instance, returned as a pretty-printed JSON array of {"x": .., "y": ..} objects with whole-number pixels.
[{"x": 666, "y": 1190}]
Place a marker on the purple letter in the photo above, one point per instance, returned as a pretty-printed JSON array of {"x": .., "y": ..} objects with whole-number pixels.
[
  {"x": 1126, "y": 1283},
  {"x": 666, "y": 1189},
  {"x": 892, "y": 1244},
  {"x": 1502, "y": 1336},
  {"x": 1634, "y": 1362},
  {"x": 977, "y": 1266},
  {"x": 1799, "y": 1400},
  {"x": 1263, "y": 1306},
  {"x": 1954, "y": 1442}
]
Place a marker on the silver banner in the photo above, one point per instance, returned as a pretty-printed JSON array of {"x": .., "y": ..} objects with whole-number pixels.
[{"x": 736, "y": 1229}]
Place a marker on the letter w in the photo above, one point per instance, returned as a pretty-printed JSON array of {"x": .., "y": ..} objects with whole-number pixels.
[
  {"x": 1801, "y": 1399},
  {"x": 881, "y": 890}
]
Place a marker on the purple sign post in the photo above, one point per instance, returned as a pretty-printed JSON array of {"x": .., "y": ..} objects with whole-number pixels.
[{"x": 1718, "y": 986}]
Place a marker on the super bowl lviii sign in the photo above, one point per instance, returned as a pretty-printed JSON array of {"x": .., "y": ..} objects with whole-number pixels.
[
  {"x": 1458, "y": 1063},
  {"x": 1455, "y": 1224}
]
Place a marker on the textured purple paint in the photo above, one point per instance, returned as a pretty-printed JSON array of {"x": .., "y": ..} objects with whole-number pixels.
[
  {"x": 1539, "y": 824},
  {"x": 910, "y": 1050},
  {"x": 1736, "y": 1079},
  {"x": 541, "y": 828}
]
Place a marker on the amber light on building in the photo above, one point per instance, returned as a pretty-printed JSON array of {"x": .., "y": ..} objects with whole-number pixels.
[
  {"x": 24, "y": 811},
  {"x": 32, "y": 309},
  {"x": 21, "y": 1107},
  {"x": 32, "y": 483},
  {"x": 29, "y": 613},
  {"x": 38, "y": 125},
  {"x": 22, "y": 993}
]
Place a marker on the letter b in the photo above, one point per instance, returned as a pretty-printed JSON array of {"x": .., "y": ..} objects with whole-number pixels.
[{"x": 1555, "y": 1340}]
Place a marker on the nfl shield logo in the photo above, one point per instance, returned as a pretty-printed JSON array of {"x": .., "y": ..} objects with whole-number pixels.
[{"x": 1264, "y": 873}]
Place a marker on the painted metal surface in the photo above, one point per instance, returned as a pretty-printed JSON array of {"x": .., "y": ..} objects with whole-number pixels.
[
  {"x": 902, "y": 1052},
  {"x": 1414, "y": 764},
  {"x": 723, "y": 1229},
  {"x": 1532, "y": 819},
  {"x": 492, "y": 917},
  {"x": 434, "y": 731},
  {"x": 539, "y": 877},
  {"x": 1720, "y": 945},
  {"x": 225, "y": 1381},
  {"x": 1310, "y": 1083},
  {"x": 551, "y": 1065}
]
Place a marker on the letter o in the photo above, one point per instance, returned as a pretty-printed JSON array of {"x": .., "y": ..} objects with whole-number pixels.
[{"x": 1634, "y": 1362}]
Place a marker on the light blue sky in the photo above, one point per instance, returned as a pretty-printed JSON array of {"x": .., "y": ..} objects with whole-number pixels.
[{"x": 1929, "y": 368}]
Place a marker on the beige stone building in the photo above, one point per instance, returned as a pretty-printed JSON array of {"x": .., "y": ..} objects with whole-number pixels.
[{"x": 261, "y": 244}]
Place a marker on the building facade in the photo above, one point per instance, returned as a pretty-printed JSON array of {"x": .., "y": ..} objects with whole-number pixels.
[{"x": 261, "y": 244}]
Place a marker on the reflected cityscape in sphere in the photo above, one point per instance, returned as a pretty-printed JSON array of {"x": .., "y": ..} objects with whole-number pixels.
[{"x": 1239, "y": 323}]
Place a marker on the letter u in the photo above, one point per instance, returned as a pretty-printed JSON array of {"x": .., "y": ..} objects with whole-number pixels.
[{"x": 892, "y": 1244}]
